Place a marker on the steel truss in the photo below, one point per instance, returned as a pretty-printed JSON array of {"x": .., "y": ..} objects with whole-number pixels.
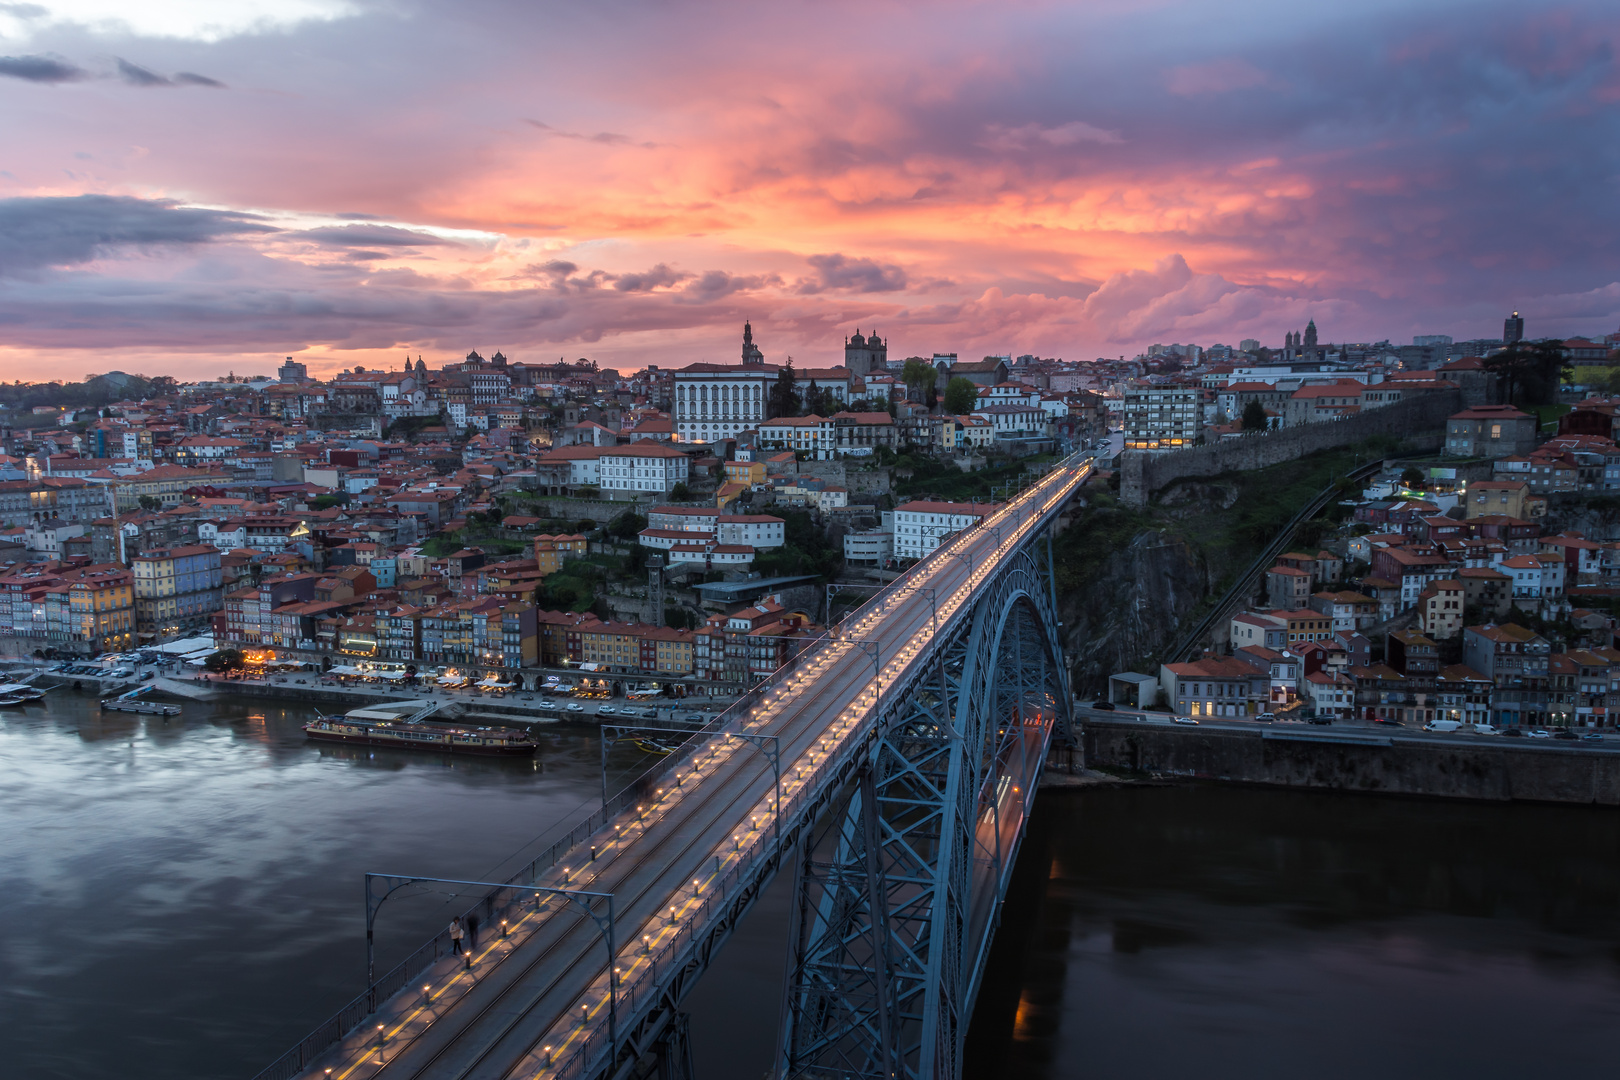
[{"x": 899, "y": 896}]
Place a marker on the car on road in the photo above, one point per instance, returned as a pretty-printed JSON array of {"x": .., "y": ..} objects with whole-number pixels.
[
  {"x": 1442, "y": 725},
  {"x": 1319, "y": 718},
  {"x": 648, "y": 714},
  {"x": 1565, "y": 733},
  {"x": 1388, "y": 721},
  {"x": 607, "y": 710},
  {"x": 1513, "y": 733},
  {"x": 1592, "y": 736},
  {"x": 694, "y": 718},
  {"x": 1485, "y": 729},
  {"x": 1538, "y": 733},
  {"x": 574, "y": 706},
  {"x": 1105, "y": 706},
  {"x": 548, "y": 703},
  {"x": 1184, "y": 720},
  {"x": 1266, "y": 717}
]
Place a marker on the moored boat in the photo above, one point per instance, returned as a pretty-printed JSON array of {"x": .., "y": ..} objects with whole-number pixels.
[
  {"x": 384, "y": 730},
  {"x": 21, "y": 691},
  {"x": 10, "y": 699}
]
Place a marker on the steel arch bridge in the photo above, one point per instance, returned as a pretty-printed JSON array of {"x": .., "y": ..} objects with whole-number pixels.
[
  {"x": 899, "y": 898},
  {"x": 892, "y": 765}
]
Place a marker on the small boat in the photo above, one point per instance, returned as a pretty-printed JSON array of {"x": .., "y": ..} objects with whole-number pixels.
[
  {"x": 22, "y": 691},
  {"x": 376, "y": 727},
  {"x": 653, "y": 746},
  {"x": 11, "y": 699}
]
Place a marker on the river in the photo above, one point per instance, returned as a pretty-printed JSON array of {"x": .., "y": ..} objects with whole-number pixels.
[{"x": 183, "y": 899}]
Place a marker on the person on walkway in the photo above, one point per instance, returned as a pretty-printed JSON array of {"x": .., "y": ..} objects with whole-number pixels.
[
  {"x": 455, "y": 937},
  {"x": 472, "y": 931}
]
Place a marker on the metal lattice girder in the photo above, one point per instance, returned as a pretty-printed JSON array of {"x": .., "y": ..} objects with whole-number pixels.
[{"x": 897, "y": 901}]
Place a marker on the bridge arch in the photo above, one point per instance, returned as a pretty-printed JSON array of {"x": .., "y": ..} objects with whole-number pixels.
[{"x": 897, "y": 899}]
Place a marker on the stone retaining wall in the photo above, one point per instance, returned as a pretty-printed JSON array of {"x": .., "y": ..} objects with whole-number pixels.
[
  {"x": 1420, "y": 421},
  {"x": 1470, "y": 768}
]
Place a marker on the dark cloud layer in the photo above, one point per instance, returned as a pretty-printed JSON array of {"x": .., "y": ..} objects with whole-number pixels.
[
  {"x": 41, "y": 69},
  {"x": 860, "y": 275},
  {"x": 387, "y": 236},
  {"x": 136, "y": 75},
  {"x": 36, "y": 233}
]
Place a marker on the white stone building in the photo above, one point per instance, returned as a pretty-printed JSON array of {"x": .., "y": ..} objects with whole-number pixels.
[
  {"x": 645, "y": 466},
  {"x": 919, "y": 526}
]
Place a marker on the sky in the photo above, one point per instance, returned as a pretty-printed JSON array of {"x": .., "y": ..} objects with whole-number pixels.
[{"x": 190, "y": 188}]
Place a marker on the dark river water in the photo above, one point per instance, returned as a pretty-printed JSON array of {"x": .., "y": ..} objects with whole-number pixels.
[{"x": 184, "y": 899}]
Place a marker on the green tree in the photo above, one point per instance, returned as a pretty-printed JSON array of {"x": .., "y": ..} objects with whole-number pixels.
[
  {"x": 961, "y": 396},
  {"x": 224, "y": 660},
  {"x": 784, "y": 398},
  {"x": 821, "y": 401},
  {"x": 918, "y": 375},
  {"x": 1412, "y": 477},
  {"x": 628, "y": 525},
  {"x": 1530, "y": 371},
  {"x": 151, "y": 502},
  {"x": 805, "y": 549},
  {"x": 1254, "y": 416},
  {"x": 680, "y": 492}
]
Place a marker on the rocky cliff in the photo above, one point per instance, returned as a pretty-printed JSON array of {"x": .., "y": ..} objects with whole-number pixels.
[{"x": 1132, "y": 607}]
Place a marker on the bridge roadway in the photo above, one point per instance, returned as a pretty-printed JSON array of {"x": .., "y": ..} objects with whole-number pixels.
[{"x": 536, "y": 1003}]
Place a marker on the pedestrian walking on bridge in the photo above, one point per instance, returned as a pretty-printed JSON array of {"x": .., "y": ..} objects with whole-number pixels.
[{"x": 455, "y": 937}]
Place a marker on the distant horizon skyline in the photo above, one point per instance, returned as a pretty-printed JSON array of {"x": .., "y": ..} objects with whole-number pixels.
[{"x": 349, "y": 180}]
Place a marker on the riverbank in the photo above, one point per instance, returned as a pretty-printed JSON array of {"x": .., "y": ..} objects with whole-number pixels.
[
  {"x": 517, "y": 710},
  {"x": 1404, "y": 763}
]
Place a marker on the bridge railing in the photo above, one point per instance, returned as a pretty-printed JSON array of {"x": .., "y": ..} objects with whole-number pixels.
[{"x": 403, "y": 974}]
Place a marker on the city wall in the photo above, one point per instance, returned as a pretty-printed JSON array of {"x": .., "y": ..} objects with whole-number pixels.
[
  {"x": 1496, "y": 771},
  {"x": 1420, "y": 421}
]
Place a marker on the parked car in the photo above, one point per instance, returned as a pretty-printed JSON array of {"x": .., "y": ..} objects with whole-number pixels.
[
  {"x": 1592, "y": 736},
  {"x": 607, "y": 710},
  {"x": 1565, "y": 733},
  {"x": 1387, "y": 721},
  {"x": 548, "y": 703},
  {"x": 1266, "y": 717},
  {"x": 1184, "y": 720},
  {"x": 1319, "y": 718},
  {"x": 1485, "y": 729},
  {"x": 1513, "y": 733},
  {"x": 574, "y": 706},
  {"x": 1538, "y": 733},
  {"x": 1105, "y": 706}
]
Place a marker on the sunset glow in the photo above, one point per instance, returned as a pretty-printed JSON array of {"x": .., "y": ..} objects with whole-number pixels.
[{"x": 349, "y": 183}]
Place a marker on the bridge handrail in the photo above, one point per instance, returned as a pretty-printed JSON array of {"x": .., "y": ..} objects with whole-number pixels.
[{"x": 350, "y": 1016}]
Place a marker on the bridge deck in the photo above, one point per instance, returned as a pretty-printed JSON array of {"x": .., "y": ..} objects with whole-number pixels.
[{"x": 536, "y": 1003}]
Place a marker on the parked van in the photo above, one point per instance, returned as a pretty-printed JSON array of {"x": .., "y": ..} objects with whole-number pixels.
[
  {"x": 1485, "y": 729},
  {"x": 1442, "y": 725}
]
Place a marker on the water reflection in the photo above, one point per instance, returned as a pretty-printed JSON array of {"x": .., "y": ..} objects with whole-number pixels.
[
  {"x": 183, "y": 894},
  {"x": 1228, "y": 932}
]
